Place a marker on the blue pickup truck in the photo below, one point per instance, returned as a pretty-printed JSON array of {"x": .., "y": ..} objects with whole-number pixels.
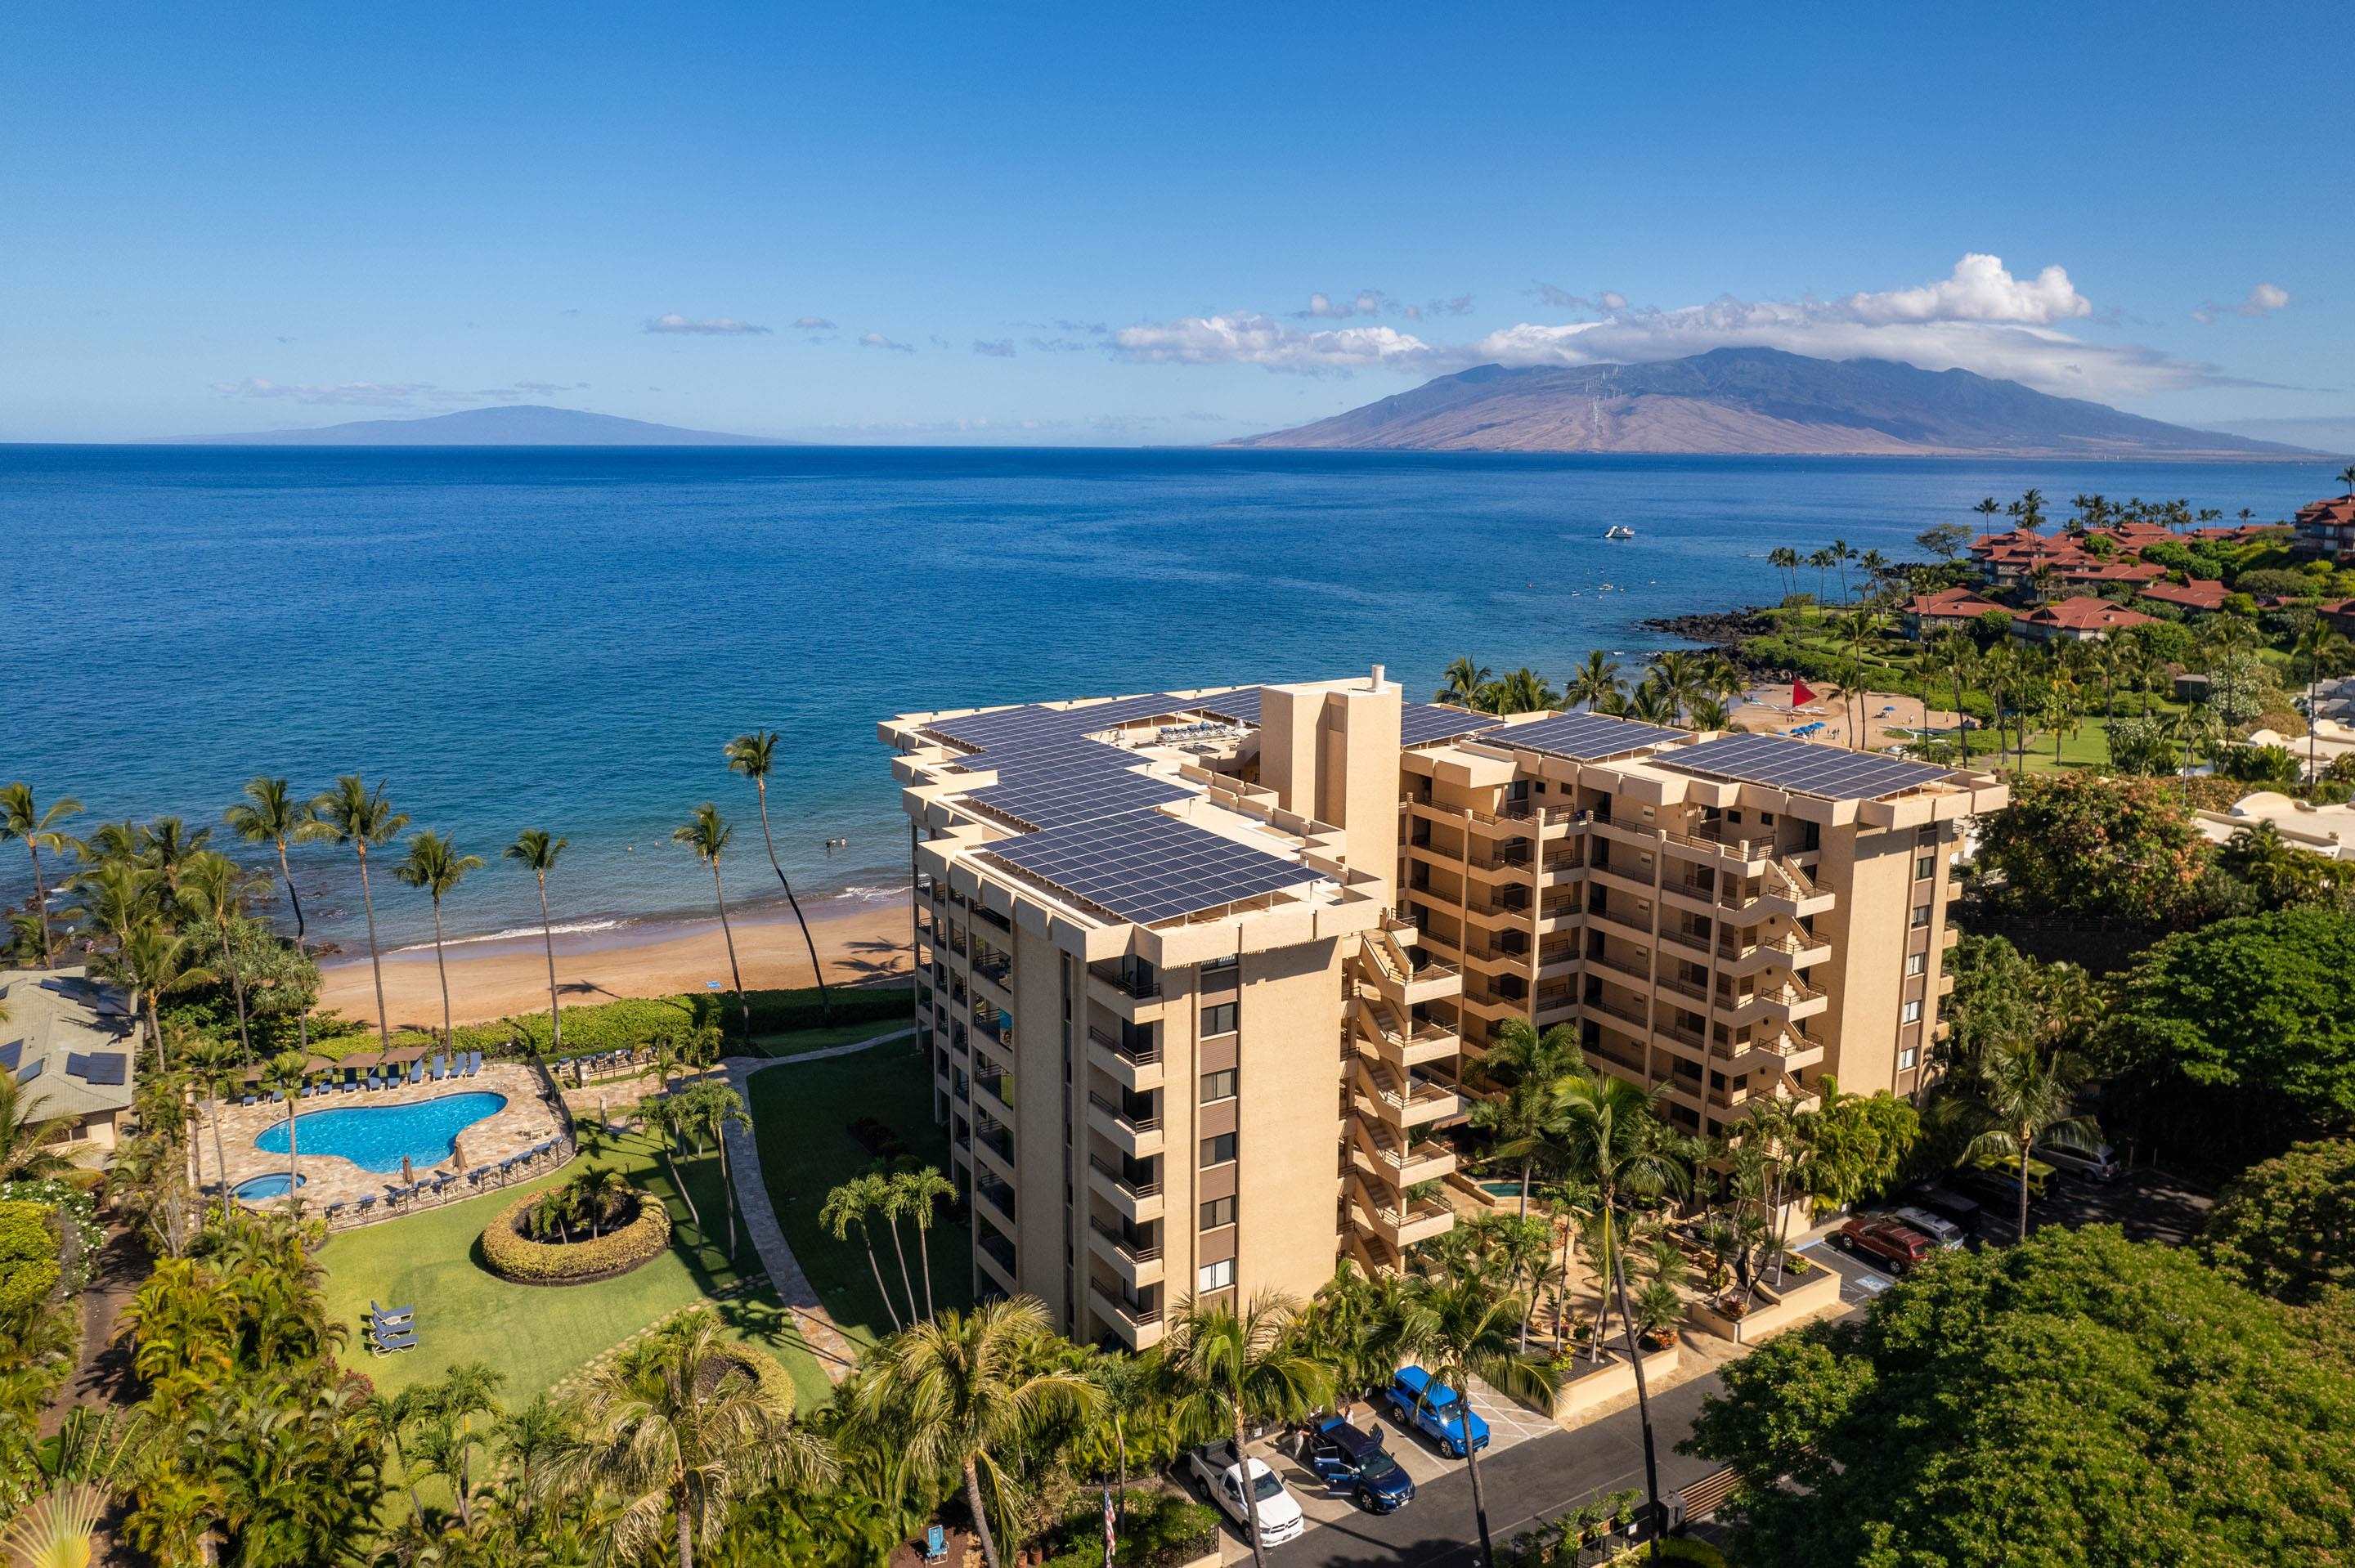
[{"x": 1433, "y": 1409}]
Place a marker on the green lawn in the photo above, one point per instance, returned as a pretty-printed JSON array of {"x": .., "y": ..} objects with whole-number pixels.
[
  {"x": 800, "y": 1115},
  {"x": 538, "y": 1335},
  {"x": 801, "y": 1041}
]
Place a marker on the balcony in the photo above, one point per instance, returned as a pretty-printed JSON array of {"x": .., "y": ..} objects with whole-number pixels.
[
  {"x": 1708, "y": 839},
  {"x": 1134, "y": 1262},
  {"x": 1694, "y": 945},
  {"x": 994, "y": 1146},
  {"x": 1401, "y": 1226},
  {"x": 1635, "y": 1017},
  {"x": 1784, "y": 1004},
  {"x": 1402, "y": 981},
  {"x": 993, "y": 1096},
  {"x": 1625, "y": 924},
  {"x": 1138, "y": 1199},
  {"x": 1134, "y": 1065},
  {"x": 1401, "y": 1099},
  {"x": 1790, "y": 950},
  {"x": 1396, "y": 1161},
  {"x": 1138, "y": 1324},
  {"x": 1382, "y": 1030},
  {"x": 994, "y": 1199},
  {"x": 1636, "y": 972},
  {"x": 1133, "y": 995},
  {"x": 1138, "y": 1137},
  {"x": 996, "y": 1256}
]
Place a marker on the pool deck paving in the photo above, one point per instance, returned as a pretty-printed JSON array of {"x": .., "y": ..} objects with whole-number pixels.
[
  {"x": 834, "y": 1350},
  {"x": 525, "y": 1122}
]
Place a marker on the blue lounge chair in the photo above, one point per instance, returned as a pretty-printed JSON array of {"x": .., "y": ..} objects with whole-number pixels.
[
  {"x": 386, "y": 1344},
  {"x": 474, "y": 1062},
  {"x": 389, "y": 1319},
  {"x": 936, "y": 1544},
  {"x": 417, "y": 1070},
  {"x": 366, "y": 1204},
  {"x": 433, "y": 1070},
  {"x": 351, "y": 1083},
  {"x": 278, "y": 1096},
  {"x": 248, "y": 1100},
  {"x": 333, "y": 1210}
]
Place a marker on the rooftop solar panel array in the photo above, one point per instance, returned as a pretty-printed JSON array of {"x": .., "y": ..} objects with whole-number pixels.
[
  {"x": 1582, "y": 736},
  {"x": 1058, "y": 799},
  {"x": 77, "y": 1064},
  {"x": 1422, "y": 723},
  {"x": 1144, "y": 866},
  {"x": 29, "y": 1074},
  {"x": 1241, "y": 706},
  {"x": 107, "y": 1067},
  {"x": 1824, "y": 771},
  {"x": 1017, "y": 760},
  {"x": 11, "y": 1054}
]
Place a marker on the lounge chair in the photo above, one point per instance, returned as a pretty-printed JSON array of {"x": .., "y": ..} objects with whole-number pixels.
[
  {"x": 278, "y": 1096},
  {"x": 433, "y": 1070},
  {"x": 366, "y": 1206},
  {"x": 936, "y": 1544},
  {"x": 417, "y": 1070},
  {"x": 389, "y": 1319},
  {"x": 249, "y": 1099},
  {"x": 386, "y": 1344},
  {"x": 474, "y": 1062},
  {"x": 333, "y": 1210}
]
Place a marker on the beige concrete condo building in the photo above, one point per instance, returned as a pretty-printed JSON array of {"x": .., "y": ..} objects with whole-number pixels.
[{"x": 1200, "y": 971}]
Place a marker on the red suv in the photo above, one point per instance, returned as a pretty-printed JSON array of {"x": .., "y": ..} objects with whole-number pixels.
[{"x": 1894, "y": 1246}]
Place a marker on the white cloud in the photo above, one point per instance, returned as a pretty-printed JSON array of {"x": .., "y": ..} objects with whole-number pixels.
[
  {"x": 813, "y": 324},
  {"x": 1250, "y": 338},
  {"x": 2263, "y": 299},
  {"x": 877, "y": 340},
  {"x": 708, "y": 327},
  {"x": 1979, "y": 318},
  {"x": 1002, "y": 349},
  {"x": 1980, "y": 290},
  {"x": 341, "y": 394},
  {"x": 1324, "y": 307}
]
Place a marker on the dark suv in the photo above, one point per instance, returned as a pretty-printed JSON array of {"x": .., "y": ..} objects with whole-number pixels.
[{"x": 1351, "y": 1461}]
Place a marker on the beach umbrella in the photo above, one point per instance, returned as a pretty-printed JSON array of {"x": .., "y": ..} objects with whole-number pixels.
[{"x": 408, "y": 1176}]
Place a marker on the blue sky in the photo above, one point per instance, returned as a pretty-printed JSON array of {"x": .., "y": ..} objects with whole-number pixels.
[{"x": 1052, "y": 224}]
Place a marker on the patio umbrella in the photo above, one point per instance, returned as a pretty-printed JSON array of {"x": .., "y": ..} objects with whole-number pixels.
[{"x": 407, "y": 1175}]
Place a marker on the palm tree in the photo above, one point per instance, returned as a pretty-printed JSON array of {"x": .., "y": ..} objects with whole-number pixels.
[
  {"x": 1679, "y": 678},
  {"x": 1956, "y": 656},
  {"x": 848, "y": 1206},
  {"x": 1784, "y": 559},
  {"x": 351, "y": 813},
  {"x": 1461, "y": 1327},
  {"x": 715, "y": 1107},
  {"x": 1708, "y": 714},
  {"x": 1613, "y": 1142},
  {"x": 1651, "y": 704},
  {"x": 1875, "y": 566},
  {"x": 28, "y": 1141},
  {"x": 212, "y": 1067},
  {"x": 958, "y": 1391},
  {"x": 2317, "y": 647},
  {"x": 2018, "y": 1096},
  {"x": 467, "y": 1390},
  {"x": 435, "y": 865},
  {"x": 922, "y": 1191},
  {"x": 1521, "y": 1124},
  {"x": 1464, "y": 684},
  {"x": 269, "y": 815},
  {"x": 536, "y": 850},
  {"x": 213, "y": 889},
  {"x": 2347, "y": 478},
  {"x": 169, "y": 847},
  {"x": 667, "y": 1117},
  {"x": 1230, "y": 1369},
  {"x": 1988, "y": 509},
  {"x": 1126, "y": 1385},
  {"x": 1857, "y": 629},
  {"x": 1595, "y": 683},
  {"x": 150, "y": 961},
  {"x": 597, "y": 1195},
  {"x": 1820, "y": 562},
  {"x": 750, "y": 755},
  {"x": 21, "y": 818},
  {"x": 1522, "y": 692},
  {"x": 58, "y": 1529},
  {"x": 1842, "y": 554},
  {"x": 676, "y": 1426},
  {"x": 707, "y": 833},
  {"x": 283, "y": 1072}
]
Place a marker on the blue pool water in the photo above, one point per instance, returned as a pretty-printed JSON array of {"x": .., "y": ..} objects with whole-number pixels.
[
  {"x": 254, "y": 1189},
  {"x": 374, "y": 1138}
]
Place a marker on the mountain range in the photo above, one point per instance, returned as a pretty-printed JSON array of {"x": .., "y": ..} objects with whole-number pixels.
[
  {"x": 509, "y": 425},
  {"x": 1756, "y": 401}
]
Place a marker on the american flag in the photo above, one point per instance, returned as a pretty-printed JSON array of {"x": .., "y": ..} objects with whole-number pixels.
[{"x": 1108, "y": 1527}]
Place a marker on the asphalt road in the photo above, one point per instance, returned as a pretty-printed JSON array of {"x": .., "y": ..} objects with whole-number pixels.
[{"x": 1541, "y": 1477}]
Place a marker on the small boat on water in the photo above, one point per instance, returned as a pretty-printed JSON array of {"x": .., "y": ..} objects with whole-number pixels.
[{"x": 1618, "y": 531}]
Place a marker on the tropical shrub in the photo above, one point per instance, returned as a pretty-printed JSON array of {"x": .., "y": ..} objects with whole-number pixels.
[
  {"x": 2106, "y": 848},
  {"x": 28, "y": 1257},
  {"x": 75, "y": 1213},
  {"x": 513, "y": 1256},
  {"x": 1162, "y": 1530},
  {"x": 2286, "y": 1228}
]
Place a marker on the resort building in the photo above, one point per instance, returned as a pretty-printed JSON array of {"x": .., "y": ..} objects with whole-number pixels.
[
  {"x": 2076, "y": 620},
  {"x": 2196, "y": 596},
  {"x": 68, "y": 1039},
  {"x": 2325, "y": 529},
  {"x": 1201, "y": 973},
  {"x": 1948, "y": 609}
]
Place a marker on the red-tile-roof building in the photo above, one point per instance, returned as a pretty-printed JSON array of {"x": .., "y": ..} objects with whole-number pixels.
[
  {"x": 2325, "y": 528},
  {"x": 2203, "y": 596},
  {"x": 1948, "y": 609},
  {"x": 2076, "y": 620}
]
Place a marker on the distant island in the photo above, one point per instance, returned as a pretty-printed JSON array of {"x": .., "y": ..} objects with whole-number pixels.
[
  {"x": 513, "y": 425},
  {"x": 1761, "y": 402}
]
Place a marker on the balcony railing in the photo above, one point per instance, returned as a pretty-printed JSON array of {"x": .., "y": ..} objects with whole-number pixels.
[
  {"x": 1135, "y": 983},
  {"x": 1128, "y": 1246},
  {"x": 1121, "y": 1117},
  {"x": 1113, "y": 1174},
  {"x": 1143, "y": 1055}
]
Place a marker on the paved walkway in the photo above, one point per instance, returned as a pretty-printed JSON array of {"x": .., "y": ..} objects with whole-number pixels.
[{"x": 834, "y": 1351}]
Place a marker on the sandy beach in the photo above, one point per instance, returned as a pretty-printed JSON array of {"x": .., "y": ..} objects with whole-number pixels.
[
  {"x": 1890, "y": 719},
  {"x": 858, "y": 940}
]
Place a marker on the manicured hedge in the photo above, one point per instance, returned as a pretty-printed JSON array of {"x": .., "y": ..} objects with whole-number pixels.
[
  {"x": 635, "y": 1022},
  {"x": 29, "y": 1269},
  {"x": 513, "y": 1256}
]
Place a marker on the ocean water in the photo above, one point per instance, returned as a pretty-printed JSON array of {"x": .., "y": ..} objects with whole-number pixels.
[{"x": 566, "y": 638}]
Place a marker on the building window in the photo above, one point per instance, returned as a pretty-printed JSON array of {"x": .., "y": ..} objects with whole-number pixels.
[
  {"x": 1218, "y": 1150},
  {"x": 1218, "y": 1019},
  {"x": 1219, "y": 1085},
  {"x": 1916, "y": 963},
  {"x": 1925, "y": 868},
  {"x": 1218, "y": 1276},
  {"x": 1906, "y": 1058},
  {"x": 1217, "y": 1211},
  {"x": 1221, "y": 966},
  {"x": 1920, "y": 915},
  {"x": 1910, "y": 1013}
]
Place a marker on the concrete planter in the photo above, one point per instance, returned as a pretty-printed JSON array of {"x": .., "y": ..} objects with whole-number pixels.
[
  {"x": 1775, "y": 1311},
  {"x": 1583, "y": 1394}
]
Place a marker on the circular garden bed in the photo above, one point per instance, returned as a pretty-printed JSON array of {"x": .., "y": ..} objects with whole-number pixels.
[{"x": 633, "y": 1241}]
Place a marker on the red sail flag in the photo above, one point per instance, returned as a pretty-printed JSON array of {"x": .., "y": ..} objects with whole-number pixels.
[{"x": 1801, "y": 694}]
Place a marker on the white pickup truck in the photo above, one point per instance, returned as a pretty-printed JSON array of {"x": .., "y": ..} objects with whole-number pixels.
[{"x": 1279, "y": 1519}]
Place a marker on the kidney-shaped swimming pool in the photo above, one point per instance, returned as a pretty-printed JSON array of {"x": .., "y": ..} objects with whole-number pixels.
[{"x": 374, "y": 1137}]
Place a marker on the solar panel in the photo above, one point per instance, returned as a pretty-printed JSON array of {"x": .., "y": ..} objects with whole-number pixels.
[
  {"x": 978, "y": 729},
  {"x": 1057, "y": 754},
  {"x": 1825, "y": 771},
  {"x": 1240, "y": 708},
  {"x": 1582, "y": 738},
  {"x": 1144, "y": 866},
  {"x": 11, "y": 1054},
  {"x": 77, "y": 1064},
  {"x": 29, "y": 1074},
  {"x": 1423, "y": 723},
  {"x": 107, "y": 1067},
  {"x": 1056, "y": 801}
]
